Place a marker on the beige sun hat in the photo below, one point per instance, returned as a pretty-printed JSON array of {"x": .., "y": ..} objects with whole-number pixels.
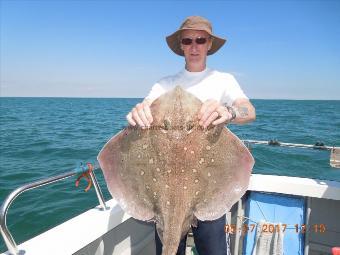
[{"x": 194, "y": 23}]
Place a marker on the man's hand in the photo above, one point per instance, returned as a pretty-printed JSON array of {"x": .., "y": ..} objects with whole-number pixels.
[
  {"x": 140, "y": 114},
  {"x": 213, "y": 112}
]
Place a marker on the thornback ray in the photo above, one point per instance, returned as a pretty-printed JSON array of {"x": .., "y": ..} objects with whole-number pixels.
[{"x": 175, "y": 171}]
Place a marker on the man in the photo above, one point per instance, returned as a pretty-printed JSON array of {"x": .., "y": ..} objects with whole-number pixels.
[{"x": 223, "y": 102}]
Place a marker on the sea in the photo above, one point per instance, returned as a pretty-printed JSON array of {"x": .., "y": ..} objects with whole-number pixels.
[{"x": 44, "y": 137}]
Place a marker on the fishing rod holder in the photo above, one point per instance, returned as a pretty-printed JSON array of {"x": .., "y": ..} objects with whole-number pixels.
[{"x": 82, "y": 168}]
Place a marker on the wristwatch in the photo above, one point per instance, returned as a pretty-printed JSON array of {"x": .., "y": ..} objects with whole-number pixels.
[{"x": 232, "y": 111}]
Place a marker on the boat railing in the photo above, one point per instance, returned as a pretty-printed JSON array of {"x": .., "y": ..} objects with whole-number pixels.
[
  {"x": 83, "y": 169},
  {"x": 334, "y": 159}
]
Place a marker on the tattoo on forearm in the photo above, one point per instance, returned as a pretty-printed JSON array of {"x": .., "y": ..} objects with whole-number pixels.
[{"x": 242, "y": 112}]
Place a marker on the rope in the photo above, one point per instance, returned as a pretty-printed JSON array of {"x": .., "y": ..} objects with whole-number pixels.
[
  {"x": 86, "y": 174},
  {"x": 261, "y": 210}
]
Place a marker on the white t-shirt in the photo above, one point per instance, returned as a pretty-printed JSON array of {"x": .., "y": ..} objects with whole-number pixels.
[{"x": 208, "y": 84}]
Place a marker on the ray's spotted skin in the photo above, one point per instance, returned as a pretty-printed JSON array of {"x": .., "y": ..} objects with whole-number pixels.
[{"x": 174, "y": 175}]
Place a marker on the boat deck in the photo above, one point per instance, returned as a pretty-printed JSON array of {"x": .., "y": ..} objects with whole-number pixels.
[{"x": 114, "y": 232}]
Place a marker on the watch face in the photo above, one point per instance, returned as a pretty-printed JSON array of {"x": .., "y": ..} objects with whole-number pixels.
[{"x": 231, "y": 110}]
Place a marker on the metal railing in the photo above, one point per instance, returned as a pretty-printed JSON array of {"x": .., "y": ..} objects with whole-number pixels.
[
  {"x": 334, "y": 159},
  {"x": 274, "y": 142},
  {"x": 81, "y": 169}
]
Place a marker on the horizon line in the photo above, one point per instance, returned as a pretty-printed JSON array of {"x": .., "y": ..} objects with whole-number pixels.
[{"x": 71, "y": 97}]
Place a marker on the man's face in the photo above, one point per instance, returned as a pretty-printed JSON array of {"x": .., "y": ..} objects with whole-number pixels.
[{"x": 195, "y": 53}]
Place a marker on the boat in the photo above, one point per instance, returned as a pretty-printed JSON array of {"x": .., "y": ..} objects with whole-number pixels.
[{"x": 309, "y": 212}]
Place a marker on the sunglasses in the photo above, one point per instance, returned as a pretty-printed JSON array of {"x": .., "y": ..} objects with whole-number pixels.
[{"x": 198, "y": 40}]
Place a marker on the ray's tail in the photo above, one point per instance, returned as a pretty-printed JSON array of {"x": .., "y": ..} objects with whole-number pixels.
[{"x": 174, "y": 230}]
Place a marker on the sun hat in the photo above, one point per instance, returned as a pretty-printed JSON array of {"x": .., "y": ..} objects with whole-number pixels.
[{"x": 194, "y": 23}]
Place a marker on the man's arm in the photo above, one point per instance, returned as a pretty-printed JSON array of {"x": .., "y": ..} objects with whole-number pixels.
[
  {"x": 245, "y": 111},
  {"x": 214, "y": 112}
]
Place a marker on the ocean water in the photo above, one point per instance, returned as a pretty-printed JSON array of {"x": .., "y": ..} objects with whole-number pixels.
[{"x": 43, "y": 137}]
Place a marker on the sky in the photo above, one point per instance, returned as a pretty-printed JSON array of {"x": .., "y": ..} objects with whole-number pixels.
[{"x": 275, "y": 49}]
